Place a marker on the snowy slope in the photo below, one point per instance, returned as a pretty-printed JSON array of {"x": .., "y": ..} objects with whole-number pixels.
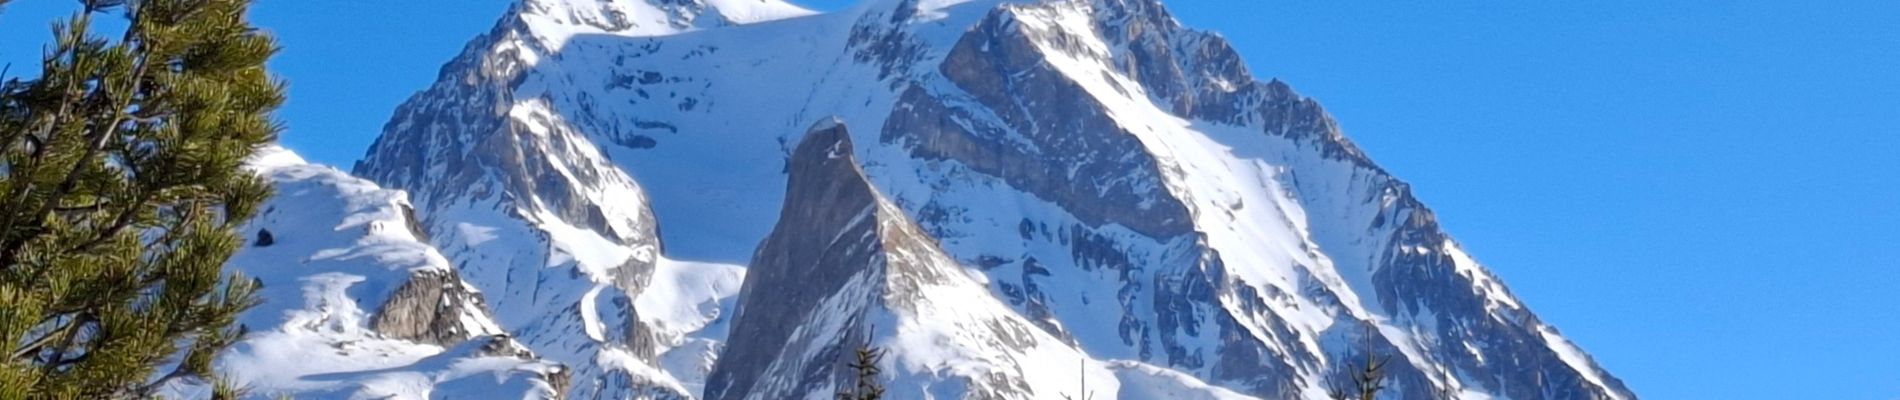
[
  {"x": 1119, "y": 182},
  {"x": 356, "y": 306}
]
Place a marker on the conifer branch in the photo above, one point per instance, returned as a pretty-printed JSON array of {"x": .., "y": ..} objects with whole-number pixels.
[{"x": 121, "y": 185}]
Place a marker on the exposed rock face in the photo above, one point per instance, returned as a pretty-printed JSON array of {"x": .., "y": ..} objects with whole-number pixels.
[
  {"x": 430, "y": 308},
  {"x": 845, "y": 268},
  {"x": 1071, "y": 152},
  {"x": 828, "y": 235}
]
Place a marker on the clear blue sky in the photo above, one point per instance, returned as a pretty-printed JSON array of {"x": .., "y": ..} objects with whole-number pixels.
[{"x": 1704, "y": 194}]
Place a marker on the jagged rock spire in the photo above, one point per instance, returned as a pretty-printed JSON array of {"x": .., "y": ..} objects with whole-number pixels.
[{"x": 826, "y": 235}]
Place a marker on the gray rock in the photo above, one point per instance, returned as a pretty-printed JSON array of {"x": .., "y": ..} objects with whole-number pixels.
[
  {"x": 431, "y": 308},
  {"x": 1075, "y": 154},
  {"x": 823, "y": 239},
  {"x": 835, "y": 229}
]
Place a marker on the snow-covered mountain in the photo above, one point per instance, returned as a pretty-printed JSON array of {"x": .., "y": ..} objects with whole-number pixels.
[
  {"x": 1014, "y": 199},
  {"x": 356, "y": 305}
]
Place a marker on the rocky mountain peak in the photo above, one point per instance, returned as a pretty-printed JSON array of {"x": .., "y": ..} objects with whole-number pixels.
[
  {"x": 846, "y": 269},
  {"x": 826, "y": 235}
]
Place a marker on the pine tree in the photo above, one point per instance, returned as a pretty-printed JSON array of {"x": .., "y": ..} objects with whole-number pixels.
[
  {"x": 1368, "y": 379},
  {"x": 866, "y": 373},
  {"x": 121, "y": 191}
]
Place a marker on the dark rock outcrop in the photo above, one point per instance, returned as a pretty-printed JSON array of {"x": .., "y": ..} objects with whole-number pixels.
[
  {"x": 434, "y": 306},
  {"x": 826, "y": 235},
  {"x": 836, "y": 231},
  {"x": 1054, "y": 140}
]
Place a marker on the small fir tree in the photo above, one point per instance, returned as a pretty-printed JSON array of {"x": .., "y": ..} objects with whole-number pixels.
[
  {"x": 865, "y": 369},
  {"x": 120, "y": 191},
  {"x": 1367, "y": 379}
]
